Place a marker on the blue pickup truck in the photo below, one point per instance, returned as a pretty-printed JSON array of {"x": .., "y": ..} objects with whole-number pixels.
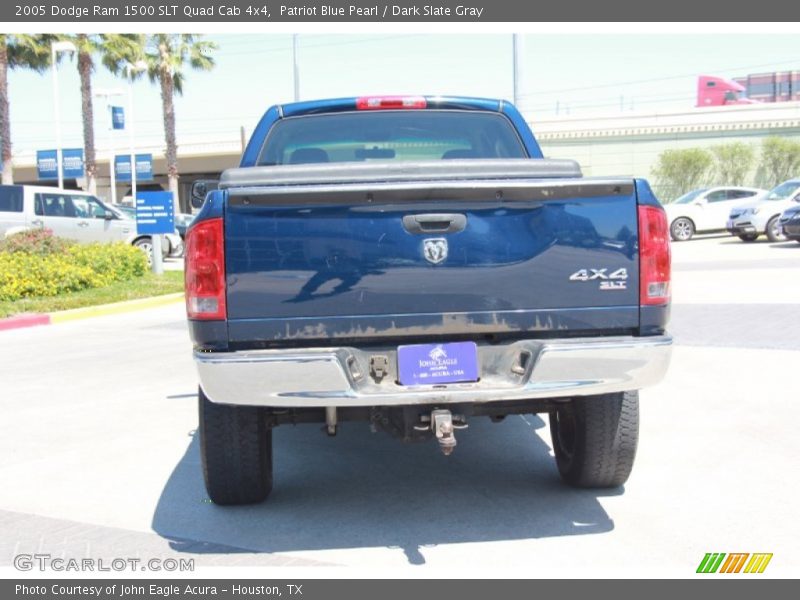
[{"x": 413, "y": 263}]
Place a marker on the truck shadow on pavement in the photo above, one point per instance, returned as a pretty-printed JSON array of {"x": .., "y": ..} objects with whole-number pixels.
[{"x": 361, "y": 490}]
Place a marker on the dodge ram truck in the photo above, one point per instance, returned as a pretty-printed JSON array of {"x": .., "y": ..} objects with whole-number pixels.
[{"x": 413, "y": 263}]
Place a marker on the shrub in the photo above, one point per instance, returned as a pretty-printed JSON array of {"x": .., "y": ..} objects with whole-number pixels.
[
  {"x": 25, "y": 275},
  {"x": 35, "y": 268},
  {"x": 732, "y": 162},
  {"x": 35, "y": 241},
  {"x": 110, "y": 262},
  {"x": 680, "y": 171},
  {"x": 780, "y": 160}
]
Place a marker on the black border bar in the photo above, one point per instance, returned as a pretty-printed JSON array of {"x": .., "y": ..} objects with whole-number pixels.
[{"x": 393, "y": 11}]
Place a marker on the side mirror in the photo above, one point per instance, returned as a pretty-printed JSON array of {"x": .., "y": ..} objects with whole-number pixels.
[
  {"x": 108, "y": 216},
  {"x": 200, "y": 189}
]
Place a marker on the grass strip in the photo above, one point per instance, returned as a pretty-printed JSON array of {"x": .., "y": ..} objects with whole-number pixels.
[{"x": 142, "y": 287}]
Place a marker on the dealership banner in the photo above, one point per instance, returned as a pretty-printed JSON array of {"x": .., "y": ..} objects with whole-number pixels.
[
  {"x": 144, "y": 167},
  {"x": 71, "y": 164},
  {"x": 343, "y": 11},
  {"x": 117, "y": 117}
]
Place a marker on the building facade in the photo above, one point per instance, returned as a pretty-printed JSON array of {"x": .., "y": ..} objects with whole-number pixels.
[{"x": 629, "y": 145}]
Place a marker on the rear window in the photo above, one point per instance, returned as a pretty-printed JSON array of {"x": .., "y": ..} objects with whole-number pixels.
[
  {"x": 10, "y": 198},
  {"x": 391, "y": 135}
]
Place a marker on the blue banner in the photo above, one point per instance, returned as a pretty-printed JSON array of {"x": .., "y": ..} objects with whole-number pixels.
[
  {"x": 144, "y": 167},
  {"x": 46, "y": 165},
  {"x": 71, "y": 163},
  {"x": 117, "y": 117},
  {"x": 154, "y": 213}
]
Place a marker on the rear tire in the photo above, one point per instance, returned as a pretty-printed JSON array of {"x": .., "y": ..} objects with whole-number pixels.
[
  {"x": 748, "y": 237},
  {"x": 235, "y": 451},
  {"x": 682, "y": 229},
  {"x": 595, "y": 439}
]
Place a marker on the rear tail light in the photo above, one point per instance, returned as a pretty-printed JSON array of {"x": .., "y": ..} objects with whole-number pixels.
[
  {"x": 205, "y": 271},
  {"x": 390, "y": 102},
  {"x": 654, "y": 256}
]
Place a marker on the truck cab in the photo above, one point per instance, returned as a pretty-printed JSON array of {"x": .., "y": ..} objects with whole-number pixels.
[{"x": 718, "y": 91}]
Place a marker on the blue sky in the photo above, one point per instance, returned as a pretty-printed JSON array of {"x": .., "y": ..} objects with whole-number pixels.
[{"x": 578, "y": 73}]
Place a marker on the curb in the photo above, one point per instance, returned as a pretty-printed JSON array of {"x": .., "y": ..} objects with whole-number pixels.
[
  {"x": 63, "y": 316},
  {"x": 24, "y": 320}
]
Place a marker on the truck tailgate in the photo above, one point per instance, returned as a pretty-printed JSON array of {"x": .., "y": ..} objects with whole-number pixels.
[{"x": 391, "y": 257}]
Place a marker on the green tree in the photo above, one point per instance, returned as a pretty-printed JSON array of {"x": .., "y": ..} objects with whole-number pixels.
[
  {"x": 17, "y": 52},
  {"x": 167, "y": 56},
  {"x": 113, "y": 45},
  {"x": 679, "y": 171},
  {"x": 780, "y": 160},
  {"x": 732, "y": 162},
  {"x": 86, "y": 46}
]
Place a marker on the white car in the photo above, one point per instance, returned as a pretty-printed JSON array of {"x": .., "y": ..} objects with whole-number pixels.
[
  {"x": 753, "y": 219},
  {"x": 72, "y": 214},
  {"x": 706, "y": 210}
]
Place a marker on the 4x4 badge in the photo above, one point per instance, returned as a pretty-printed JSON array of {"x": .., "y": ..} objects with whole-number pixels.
[
  {"x": 435, "y": 250},
  {"x": 608, "y": 281}
]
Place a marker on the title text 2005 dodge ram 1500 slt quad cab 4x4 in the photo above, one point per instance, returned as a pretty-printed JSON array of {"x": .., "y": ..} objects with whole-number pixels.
[{"x": 414, "y": 262}]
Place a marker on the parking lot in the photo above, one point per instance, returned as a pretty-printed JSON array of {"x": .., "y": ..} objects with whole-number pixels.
[{"x": 99, "y": 455}]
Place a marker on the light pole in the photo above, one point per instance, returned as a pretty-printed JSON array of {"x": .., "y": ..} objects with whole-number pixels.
[
  {"x": 296, "y": 68},
  {"x": 518, "y": 52},
  {"x": 106, "y": 94},
  {"x": 130, "y": 70},
  {"x": 155, "y": 239},
  {"x": 55, "y": 48}
]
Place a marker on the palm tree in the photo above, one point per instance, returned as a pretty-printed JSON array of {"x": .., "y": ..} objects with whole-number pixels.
[
  {"x": 167, "y": 55},
  {"x": 87, "y": 46},
  {"x": 17, "y": 52}
]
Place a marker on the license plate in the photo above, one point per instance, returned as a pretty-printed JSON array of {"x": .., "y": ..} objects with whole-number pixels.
[{"x": 430, "y": 364}]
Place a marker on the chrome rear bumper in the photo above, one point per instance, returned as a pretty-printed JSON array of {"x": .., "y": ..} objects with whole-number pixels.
[{"x": 340, "y": 376}]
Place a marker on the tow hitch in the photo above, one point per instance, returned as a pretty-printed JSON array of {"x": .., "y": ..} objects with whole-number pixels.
[{"x": 443, "y": 423}]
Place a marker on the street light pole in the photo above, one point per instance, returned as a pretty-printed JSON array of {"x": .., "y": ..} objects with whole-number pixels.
[
  {"x": 519, "y": 50},
  {"x": 296, "y": 68},
  {"x": 106, "y": 94},
  {"x": 155, "y": 239},
  {"x": 111, "y": 153},
  {"x": 55, "y": 48},
  {"x": 130, "y": 69}
]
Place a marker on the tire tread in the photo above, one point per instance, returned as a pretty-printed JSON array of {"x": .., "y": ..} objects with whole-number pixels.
[
  {"x": 606, "y": 441},
  {"x": 236, "y": 452}
]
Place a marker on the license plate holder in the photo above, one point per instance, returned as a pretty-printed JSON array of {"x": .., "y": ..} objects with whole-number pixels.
[{"x": 432, "y": 364}]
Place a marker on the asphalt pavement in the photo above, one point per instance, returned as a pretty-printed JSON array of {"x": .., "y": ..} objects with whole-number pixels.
[{"x": 99, "y": 455}]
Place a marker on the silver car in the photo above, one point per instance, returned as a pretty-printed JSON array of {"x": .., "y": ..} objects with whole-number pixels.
[
  {"x": 763, "y": 217},
  {"x": 74, "y": 215}
]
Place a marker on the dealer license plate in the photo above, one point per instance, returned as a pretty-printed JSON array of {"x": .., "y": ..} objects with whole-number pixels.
[{"x": 431, "y": 364}]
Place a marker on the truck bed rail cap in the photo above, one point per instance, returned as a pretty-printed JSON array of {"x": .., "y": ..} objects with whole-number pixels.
[{"x": 384, "y": 171}]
